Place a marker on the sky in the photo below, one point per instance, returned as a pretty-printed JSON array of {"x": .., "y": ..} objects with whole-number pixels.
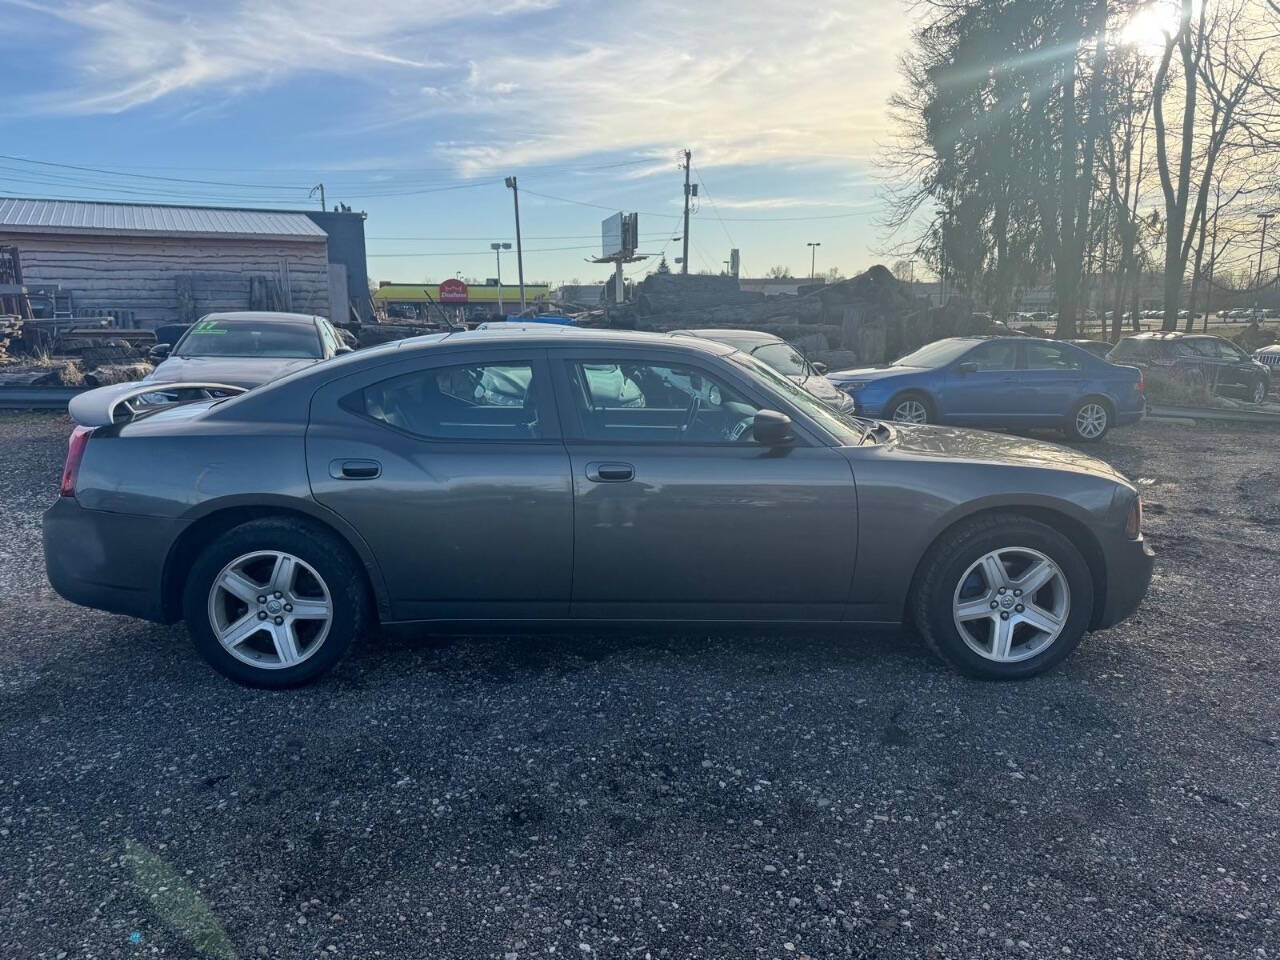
[{"x": 416, "y": 110}]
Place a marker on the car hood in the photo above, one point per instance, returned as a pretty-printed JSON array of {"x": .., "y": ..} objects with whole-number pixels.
[
  {"x": 980, "y": 446},
  {"x": 820, "y": 387},
  {"x": 872, "y": 373},
  {"x": 233, "y": 371}
]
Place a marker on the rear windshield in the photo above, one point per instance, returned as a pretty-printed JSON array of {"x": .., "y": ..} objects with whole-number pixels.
[{"x": 250, "y": 338}]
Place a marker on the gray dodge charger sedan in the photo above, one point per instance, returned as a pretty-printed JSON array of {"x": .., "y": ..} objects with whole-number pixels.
[{"x": 562, "y": 476}]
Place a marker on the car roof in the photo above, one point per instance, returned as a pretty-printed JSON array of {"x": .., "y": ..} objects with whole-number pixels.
[
  {"x": 236, "y": 316},
  {"x": 547, "y": 334},
  {"x": 715, "y": 333}
]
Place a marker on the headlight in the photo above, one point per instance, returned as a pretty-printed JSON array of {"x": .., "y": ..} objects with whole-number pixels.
[
  {"x": 853, "y": 386},
  {"x": 1133, "y": 522}
]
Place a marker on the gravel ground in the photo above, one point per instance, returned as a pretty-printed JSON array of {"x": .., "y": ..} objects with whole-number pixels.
[{"x": 678, "y": 796}]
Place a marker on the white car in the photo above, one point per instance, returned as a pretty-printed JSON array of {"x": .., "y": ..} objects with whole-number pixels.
[
  {"x": 246, "y": 349},
  {"x": 1269, "y": 355}
]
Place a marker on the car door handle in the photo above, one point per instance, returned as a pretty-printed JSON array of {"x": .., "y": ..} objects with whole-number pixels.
[
  {"x": 599, "y": 471},
  {"x": 355, "y": 469}
]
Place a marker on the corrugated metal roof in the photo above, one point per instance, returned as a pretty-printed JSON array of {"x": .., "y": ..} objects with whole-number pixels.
[{"x": 18, "y": 215}]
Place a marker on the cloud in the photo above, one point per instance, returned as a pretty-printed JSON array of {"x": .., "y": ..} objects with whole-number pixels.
[{"x": 525, "y": 82}]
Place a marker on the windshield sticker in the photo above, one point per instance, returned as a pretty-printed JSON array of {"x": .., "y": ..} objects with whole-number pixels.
[{"x": 207, "y": 327}]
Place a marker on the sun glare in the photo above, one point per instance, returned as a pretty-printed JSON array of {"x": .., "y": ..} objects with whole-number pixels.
[{"x": 1150, "y": 24}]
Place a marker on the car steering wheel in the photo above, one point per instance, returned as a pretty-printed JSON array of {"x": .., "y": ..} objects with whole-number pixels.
[{"x": 695, "y": 404}]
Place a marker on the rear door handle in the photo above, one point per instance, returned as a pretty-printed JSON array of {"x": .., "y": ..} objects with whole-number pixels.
[
  {"x": 610, "y": 471},
  {"x": 355, "y": 469}
]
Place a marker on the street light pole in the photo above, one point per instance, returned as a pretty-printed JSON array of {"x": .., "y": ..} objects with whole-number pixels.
[
  {"x": 515, "y": 193},
  {"x": 497, "y": 249},
  {"x": 813, "y": 257}
]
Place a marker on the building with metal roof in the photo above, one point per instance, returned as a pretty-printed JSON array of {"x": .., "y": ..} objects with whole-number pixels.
[{"x": 151, "y": 264}]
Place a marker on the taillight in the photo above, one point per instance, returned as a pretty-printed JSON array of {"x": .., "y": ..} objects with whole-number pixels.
[
  {"x": 1133, "y": 522},
  {"x": 75, "y": 453},
  {"x": 1142, "y": 382}
]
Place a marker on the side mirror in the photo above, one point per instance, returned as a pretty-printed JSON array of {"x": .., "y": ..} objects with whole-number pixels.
[
  {"x": 818, "y": 367},
  {"x": 966, "y": 368},
  {"x": 771, "y": 428},
  {"x": 160, "y": 351}
]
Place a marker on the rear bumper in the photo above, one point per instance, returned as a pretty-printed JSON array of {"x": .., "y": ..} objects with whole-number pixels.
[
  {"x": 109, "y": 561},
  {"x": 1129, "y": 566}
]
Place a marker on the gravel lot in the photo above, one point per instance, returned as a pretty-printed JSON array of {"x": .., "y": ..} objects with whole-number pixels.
[{"x": 677, "y": 796}]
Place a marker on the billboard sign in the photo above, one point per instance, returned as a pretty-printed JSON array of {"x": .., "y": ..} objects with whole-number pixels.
[
  {"x": 619, "y": 235},
  {"x": 453, "y": 291},
  {"x": 611, "y": 236}
]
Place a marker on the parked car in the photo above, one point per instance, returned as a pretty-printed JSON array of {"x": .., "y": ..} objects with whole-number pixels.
[
  {"x": 1215, "y": 363},
  {"x": 1269, "y": 356},
  {"x": 1099, "y": 348},
  {"x": 784, "y": 358},
  {"x": 246, "y": 349},
  {"x": 1000, "y": 382},
  {"x": 282, "y": 522}
]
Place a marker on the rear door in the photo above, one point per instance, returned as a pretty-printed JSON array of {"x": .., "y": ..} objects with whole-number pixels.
[
  {"x": 452, "y": 469},
  {"x": 679, "y": 513},
  {"x": 1052, "y": 377},
  {"x": 989, "y": 394}
]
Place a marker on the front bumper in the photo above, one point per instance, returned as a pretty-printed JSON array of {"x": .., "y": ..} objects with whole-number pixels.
[
  {"x": 1129, "y": 566},
  {"x": 109, "y": 561}
]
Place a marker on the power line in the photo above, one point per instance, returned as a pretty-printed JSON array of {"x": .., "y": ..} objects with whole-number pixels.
[{"x": 475, "y": 253}]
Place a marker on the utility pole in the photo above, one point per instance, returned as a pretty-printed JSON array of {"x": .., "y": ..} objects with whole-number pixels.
[
  {"x": 318, "y": 188},
  {"x": 684, "y": 262},
  {"x": 497, "y": 249},
  {"x": 813, "y": 257},
  {"x": 515, "y": 193},
  {"x": 1262, "y": 244}
]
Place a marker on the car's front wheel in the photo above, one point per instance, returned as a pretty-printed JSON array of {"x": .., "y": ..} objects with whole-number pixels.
[
  {"x": 911, "y": 408},
  {"x": 275, "y": 602},
  {"x": 1260, "y": 391},
  {"x": 1003, "y": 597}
]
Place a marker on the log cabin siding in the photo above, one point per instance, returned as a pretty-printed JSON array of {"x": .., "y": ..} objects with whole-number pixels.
[{"x": 142, "y": 274}]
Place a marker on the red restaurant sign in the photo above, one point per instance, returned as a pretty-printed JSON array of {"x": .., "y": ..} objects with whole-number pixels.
[{"x": 453, "y": 291}]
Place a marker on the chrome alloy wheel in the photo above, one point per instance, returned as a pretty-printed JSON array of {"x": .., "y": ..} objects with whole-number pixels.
[
  {"x": 270, "y": 609},
  {"x": 1091, "y": 420},
  {"x": 1260, "y": 391},
  {"x": 1011, "y": 604},
  {"x": 910, "y": 411}
]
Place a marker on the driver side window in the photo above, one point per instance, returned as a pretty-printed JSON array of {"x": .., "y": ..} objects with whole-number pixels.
[
  {"x": 997, "y": 355},
  {"x": 636, "y": 402}
]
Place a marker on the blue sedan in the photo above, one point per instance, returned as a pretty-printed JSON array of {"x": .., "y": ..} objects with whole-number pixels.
[{"x": 1000, "y": 382}]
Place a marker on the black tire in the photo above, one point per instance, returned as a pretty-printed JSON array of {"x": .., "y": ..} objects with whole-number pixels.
[
  {"x": 1073, "y": 427},
  {"x": 951, "y": 557},
  {"x": 330, "y": 559},
  {"x": 910, "y": 396}
]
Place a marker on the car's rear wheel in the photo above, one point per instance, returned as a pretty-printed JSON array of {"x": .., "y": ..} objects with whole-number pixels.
[
  {"x": 1089, "y": 420},
  {"x": 911, "y": 408},
  {"x": 1003, "y": 597},
  {"x": 275, "y": 602}
]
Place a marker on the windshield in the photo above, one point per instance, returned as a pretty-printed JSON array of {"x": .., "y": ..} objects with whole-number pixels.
[
  {"x": 250, "y": 338},
  {"x": 784, "y": 358},
  {"x": 847, "y": 430},
  {"x": 937, "y": 354}
]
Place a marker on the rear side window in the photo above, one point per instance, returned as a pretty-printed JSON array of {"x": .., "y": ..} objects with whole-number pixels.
[
  {"x": 1050, "y": 356},
  {"x": 1130, "y": 350},
  {"x": 497, "y": 401}
]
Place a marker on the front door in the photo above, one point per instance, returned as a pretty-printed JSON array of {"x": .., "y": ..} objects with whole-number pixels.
[
  {"x": 986, "y": 392},
  {"x": 453, "y": 471},
  {"x": 679, "y": 513}
]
